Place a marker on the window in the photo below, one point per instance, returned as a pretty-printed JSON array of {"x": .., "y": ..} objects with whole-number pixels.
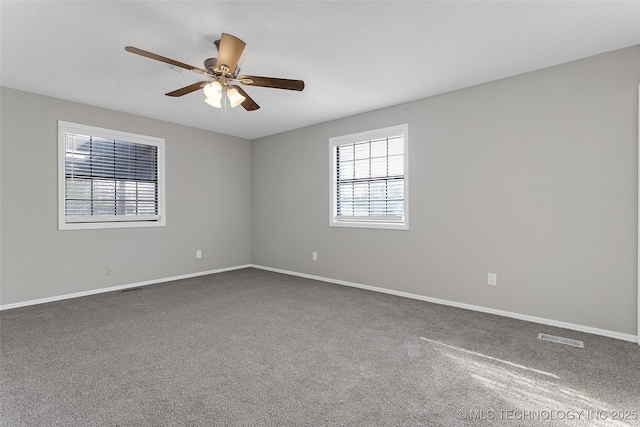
[
  {"x": 109, "y": 179},
  {"x": 369, "y": 181}
]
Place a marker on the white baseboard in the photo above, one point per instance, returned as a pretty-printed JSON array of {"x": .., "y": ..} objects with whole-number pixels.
[
  {"x": 534, "y": 319},
  {"x": 117, "y": 288}
]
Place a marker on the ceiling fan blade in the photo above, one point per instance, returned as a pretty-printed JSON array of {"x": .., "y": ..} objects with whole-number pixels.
[
  {"x": 229, "y": 51},
  {"x": 187, "y": 89},
  {"x": 248, "y": 104},
  {"x": 150, "y": 55},
  {"x": 272, "y": 82}
]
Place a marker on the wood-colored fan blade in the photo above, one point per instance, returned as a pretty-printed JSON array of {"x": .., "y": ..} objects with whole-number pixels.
[
  {"x": 169, "y": 61},
  {"x": 248, "y": 104},
  {"x": 187, "y": 89},
  {"x": 272, "y": 82},
  {"x": 229, "y": 52}
]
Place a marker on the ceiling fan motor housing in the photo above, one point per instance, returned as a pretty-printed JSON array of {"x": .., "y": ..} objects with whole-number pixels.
[{"x": 210, "y": 65}]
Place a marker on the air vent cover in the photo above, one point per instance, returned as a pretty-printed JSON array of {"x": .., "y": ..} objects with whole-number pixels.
[{"x": 561, "y": 340}]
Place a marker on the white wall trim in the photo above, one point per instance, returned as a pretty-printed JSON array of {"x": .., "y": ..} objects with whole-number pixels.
[
  {"x": 119, "y": 287},
  {"x": 534, "y": 319}
]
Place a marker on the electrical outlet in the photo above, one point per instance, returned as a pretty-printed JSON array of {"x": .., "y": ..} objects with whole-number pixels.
[
  {"x": 109, "y": 270},
  {"x": 198, "y": 253},
  {"x": 314, "y": 256},
  {"x": 492, "y": 279}
]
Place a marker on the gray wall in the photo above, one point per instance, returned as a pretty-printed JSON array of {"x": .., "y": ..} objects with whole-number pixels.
[
  {"x": 533, "y": 177},
  {"x": 208, "y": 180}
]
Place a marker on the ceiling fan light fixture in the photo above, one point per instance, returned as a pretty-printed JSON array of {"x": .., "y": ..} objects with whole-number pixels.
[
  {"x": 214, "y": 102},
  {"x": 213, "y": 90},
  {"x": 235, "y": 98}
]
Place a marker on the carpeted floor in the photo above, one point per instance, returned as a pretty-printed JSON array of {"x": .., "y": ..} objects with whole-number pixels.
[{"x": 256, "y": 348}]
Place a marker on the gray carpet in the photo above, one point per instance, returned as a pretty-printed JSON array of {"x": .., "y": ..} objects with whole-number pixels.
[{"x": 256, "y": 348}]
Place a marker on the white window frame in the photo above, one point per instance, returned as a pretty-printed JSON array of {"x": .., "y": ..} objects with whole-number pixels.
[
  {"x": 97, "y": 222},
  {"x": 399, "y": 223}
]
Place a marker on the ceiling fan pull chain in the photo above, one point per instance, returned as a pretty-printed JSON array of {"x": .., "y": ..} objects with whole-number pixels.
[{"x": 223, "y": 113}]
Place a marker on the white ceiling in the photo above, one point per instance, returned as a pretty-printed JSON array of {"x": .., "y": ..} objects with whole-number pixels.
[{"x": 354, "y": 56}]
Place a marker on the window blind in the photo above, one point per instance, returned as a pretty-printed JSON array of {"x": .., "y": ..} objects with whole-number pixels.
[
  {"x": 370, "y": 180},
  {"x": 109, "y": 180}
]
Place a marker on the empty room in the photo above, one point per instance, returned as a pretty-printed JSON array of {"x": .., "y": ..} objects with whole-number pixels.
[{"x": 319, "y": 213}]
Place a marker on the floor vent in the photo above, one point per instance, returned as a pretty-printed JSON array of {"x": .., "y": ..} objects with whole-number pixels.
[
  {"x": 131, "y": 289},
  {"x": 560, "y": 340}
]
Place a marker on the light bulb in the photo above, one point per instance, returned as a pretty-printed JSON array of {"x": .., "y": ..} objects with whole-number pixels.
[
  {"x": 214, "y": 102},
  {"x": 235, "y": 98},
  {"x": 212, "y": 89}
]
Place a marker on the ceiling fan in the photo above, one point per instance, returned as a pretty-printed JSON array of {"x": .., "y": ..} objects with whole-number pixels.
[{"x": 223, "y": 72}]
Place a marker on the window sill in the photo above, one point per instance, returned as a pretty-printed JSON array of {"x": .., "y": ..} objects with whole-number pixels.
[
  {"x": 370, "y": 224},
  {"x": 115, "y": 224}
]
